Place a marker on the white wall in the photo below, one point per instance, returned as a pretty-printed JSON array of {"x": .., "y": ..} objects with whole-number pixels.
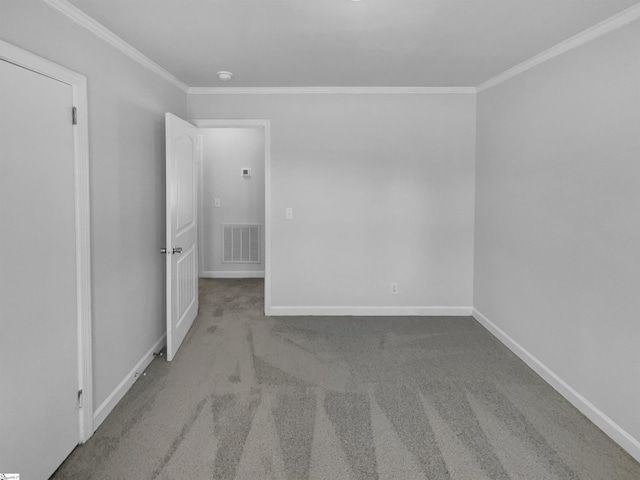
[
  {"x": 225, "y": 152},
  {"x": 557, "y": 260},
  {"x": 126, "y": 140},
  {"x": 382, "y": 190}
]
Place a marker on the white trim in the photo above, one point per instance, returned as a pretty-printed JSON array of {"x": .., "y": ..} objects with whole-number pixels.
[
  {"x": 78, "y": 82},
  {"x": 83, "y": 256},
  {"x": 266, "y": 124},
  {"x": 602, "y": 421},
  {"x": 326, "y": 90},
  {"x": 200, "y": 186},
  {"x": 123, "y": 387},
  {"x": 30, "y": 61},
  {"x": 102, "y": 32},
  {"x": 233, "y": 274},
  {"x": 370, "y": 311},
  {"x": 591, "y": 33},
  {"x": 267, "y": 217}
]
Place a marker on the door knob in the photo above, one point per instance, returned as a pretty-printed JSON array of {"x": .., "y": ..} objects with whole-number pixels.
[
  {"x": 177, "y": 250},
  {"x": 164, "y": 251}
]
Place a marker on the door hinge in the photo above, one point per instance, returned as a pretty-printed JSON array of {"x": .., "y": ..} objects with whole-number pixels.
[
  {"x": 74, "y": 116},
  {"x": 80, "y": 398}
]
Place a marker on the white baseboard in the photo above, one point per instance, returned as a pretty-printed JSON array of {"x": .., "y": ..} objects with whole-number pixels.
[
  {"x": 370, "y": 311},
  {"x": 112, "y": 400},
  {"x": 247, "y": 274},
  {"x": 602, "y": 421}
]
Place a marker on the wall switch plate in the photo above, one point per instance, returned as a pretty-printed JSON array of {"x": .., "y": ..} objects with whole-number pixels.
[
  {"x": 394, "y": 288},
  {"x": 217, "y": 203},
  {"x": 288, "y": 213}
]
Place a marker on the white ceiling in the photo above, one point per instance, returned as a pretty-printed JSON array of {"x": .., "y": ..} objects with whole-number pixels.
[{"x": 327, "y": 43}]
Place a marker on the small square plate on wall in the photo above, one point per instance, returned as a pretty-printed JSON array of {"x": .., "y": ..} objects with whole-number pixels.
[{"x": 246, "y": 172}]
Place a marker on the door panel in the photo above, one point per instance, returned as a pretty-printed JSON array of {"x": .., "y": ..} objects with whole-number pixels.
[
  {"x": 184, "y": 182},
  {"x": 187, "y": 289},
  {"x": 181, "y": 262},
  {"x": 39, "y": 416}
]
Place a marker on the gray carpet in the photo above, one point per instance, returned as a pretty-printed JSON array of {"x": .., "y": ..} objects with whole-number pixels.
[{"x": 297, "y": 398}]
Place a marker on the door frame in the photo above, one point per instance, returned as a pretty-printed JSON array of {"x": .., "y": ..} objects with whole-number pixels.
[
  {"x": 30, "y": 61},
  {"x": 248, "y": 123}
]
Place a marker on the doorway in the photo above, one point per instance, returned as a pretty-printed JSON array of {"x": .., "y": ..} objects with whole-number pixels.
[
  {"x": 235, "y": 212},
  {"x": 232, "y": 202},
  {"x": 45, "y": 313}
]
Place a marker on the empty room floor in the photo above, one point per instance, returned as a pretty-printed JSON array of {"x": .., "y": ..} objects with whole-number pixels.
[{"x": 358, "y": 398}]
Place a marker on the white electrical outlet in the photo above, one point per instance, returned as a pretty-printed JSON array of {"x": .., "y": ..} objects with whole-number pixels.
[
  {"x": 394, "y": 288},
  {"x": 217, "y": 203},
  {"x": 288, "y": 213}
]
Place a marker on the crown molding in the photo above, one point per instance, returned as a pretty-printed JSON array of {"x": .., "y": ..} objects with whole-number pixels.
[
  {"x": 100, "y": 31},
  {"x": 612, "y": 23},
  {"x": 619, "y": 20},
  {"x": 326, "y": 90}
]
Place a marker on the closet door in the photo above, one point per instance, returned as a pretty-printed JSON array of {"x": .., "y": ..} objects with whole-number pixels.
[{"x": 39, "y": 375}]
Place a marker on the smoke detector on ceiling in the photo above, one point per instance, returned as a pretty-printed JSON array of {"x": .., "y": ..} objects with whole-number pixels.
[{"x": 225, "y": 76}]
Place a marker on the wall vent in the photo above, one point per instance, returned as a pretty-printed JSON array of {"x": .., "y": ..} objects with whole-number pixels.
[{"x": 240, "y": 243}]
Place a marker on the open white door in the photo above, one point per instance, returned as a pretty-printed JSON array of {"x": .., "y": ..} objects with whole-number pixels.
[{"x": 181, "y": 250}]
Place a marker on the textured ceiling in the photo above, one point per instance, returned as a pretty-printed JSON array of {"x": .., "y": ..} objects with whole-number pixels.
[{"x": 325, "y": 43}]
